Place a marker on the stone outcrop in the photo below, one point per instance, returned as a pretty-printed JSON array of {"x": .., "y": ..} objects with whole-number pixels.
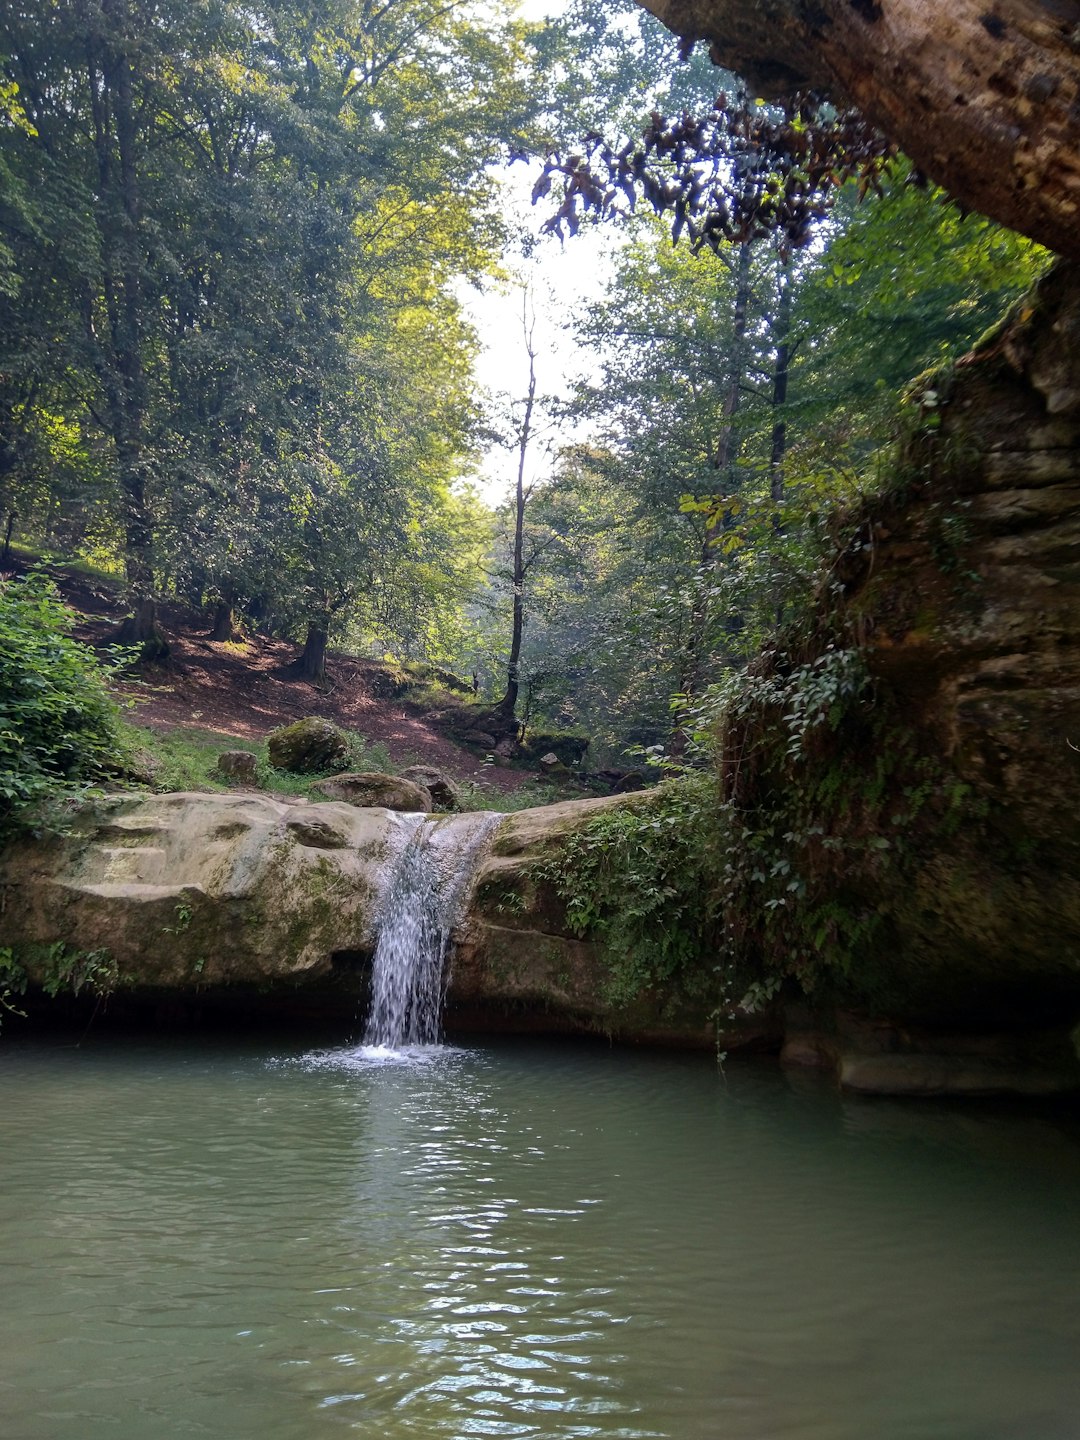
[
  {"x": 190, "y": 891},
  {"x": 968, "y": 595},
  {"x": 982, "y": 97},
  {"x": 244, "y": 901},
  {"x": 953, "y": 843},
  {"x": 874, "y": 1057},
  {"x": 519, "y": 965}
]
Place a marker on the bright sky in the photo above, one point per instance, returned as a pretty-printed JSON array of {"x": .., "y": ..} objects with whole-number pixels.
[{"x": 561, "y": 280}]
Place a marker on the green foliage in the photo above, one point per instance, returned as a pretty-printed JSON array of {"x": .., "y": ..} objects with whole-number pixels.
[
  {"x": 59, "y": 730},
  {"x": 95, "y": 971},
  {"x": 829, "y": 804},
  {"x": 476, "y": 795},
  {"x": 904, "y": 281},
  {"x": 61, "y": 968},
  {"x": 13, "y": 982},
  {"x": 639, "y": 879},
  {"x": 230, "y": 348},
  {"x": 184, "y": 915},
  {"x": 775, "y": 869}
]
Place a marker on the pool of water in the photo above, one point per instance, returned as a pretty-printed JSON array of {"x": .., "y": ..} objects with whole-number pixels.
[{"x": 521, "y": 1240}]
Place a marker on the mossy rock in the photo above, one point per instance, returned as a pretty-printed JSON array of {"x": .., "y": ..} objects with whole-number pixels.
[
  {"x": 389, "y": 682},
  {"x": 308, "y": 747},
  {"x": 239, "y": 766}
]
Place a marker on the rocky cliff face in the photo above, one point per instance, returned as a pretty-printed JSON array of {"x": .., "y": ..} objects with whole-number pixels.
[
  {"x": 960, "y": 595},
  {"x": 968, "y": 594}
]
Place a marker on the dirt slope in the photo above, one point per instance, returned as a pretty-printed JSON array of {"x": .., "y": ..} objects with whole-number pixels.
[{"x": 243, "y": 690}]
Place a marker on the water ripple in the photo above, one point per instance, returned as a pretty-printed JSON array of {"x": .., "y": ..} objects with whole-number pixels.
[{"x": 525, "y": 1241}]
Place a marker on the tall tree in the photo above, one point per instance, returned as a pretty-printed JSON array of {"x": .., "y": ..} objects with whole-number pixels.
[{"x": 506, "y": 710}]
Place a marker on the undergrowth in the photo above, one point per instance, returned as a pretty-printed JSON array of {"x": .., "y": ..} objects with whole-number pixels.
[
  {"x": 640, "y": 881},
  {"x": 773, "y": 862},
  {"x": 60, "y": 970},
  {"x": 59, "y": 726}
]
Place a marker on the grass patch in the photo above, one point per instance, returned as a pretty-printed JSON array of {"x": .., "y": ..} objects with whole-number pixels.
[
  {"x": 186, "y": 759},
  {"x": 476, "y": 795}
]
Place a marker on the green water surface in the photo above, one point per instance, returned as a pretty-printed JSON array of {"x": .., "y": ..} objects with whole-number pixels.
[{"x": 521, "y": 1240}]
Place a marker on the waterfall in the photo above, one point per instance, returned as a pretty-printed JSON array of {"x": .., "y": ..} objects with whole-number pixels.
[{"x": 420, "y": 908}]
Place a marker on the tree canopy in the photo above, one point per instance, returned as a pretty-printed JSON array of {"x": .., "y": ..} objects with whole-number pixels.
[{"x": 234, "y": 365}]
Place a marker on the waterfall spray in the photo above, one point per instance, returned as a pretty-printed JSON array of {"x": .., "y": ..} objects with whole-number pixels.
[{"x": 421, "y": 907}]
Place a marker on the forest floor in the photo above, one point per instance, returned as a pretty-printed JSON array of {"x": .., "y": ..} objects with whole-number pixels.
[{"x": 242, "y": 689}]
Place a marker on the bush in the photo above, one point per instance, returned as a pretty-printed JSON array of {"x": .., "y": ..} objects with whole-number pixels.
[
  {"x": 59, "y": 727},
  {"x": 642, "y": 881}
]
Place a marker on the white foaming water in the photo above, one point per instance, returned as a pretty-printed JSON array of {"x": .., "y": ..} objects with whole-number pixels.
[{"x": 420, "y": 909}]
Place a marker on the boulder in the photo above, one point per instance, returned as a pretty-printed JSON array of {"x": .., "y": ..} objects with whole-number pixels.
[
  {"x": 442, "y": 789},
  {"x": 239, "y": 766},
  {"x": 308, "y": 747},
  {"x": 480, "y": 738},
  {"x": 366, "y": 788}
]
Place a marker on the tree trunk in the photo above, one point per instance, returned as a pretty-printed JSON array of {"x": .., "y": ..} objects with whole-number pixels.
[
  {"x": 123, "y": 375},
  {"x": 724, "y": 459},
  {"x": 312, "y": 663},
  {"x": 223, "y": 626},
  {"x": 781, "y": 329},
  {"x": 727, "y": 447},
  {"x": 141, "y": 631},
  {"x": 983, "y": 95},
  {"x": 507, "y": 706},
  {"x": 6, "y": 556}
]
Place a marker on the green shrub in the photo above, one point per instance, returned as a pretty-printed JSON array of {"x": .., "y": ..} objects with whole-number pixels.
[
  {"x": 59, "y": 727},
  {"x": 641, "y": 881}
]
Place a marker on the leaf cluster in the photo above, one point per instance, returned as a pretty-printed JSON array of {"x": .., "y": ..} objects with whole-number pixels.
[{"x": 741, "y": 172}]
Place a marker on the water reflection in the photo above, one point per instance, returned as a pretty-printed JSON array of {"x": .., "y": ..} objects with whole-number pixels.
[
  {"x": 484, "y": 1316},
  {"x": 524, "y": 1241}
]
